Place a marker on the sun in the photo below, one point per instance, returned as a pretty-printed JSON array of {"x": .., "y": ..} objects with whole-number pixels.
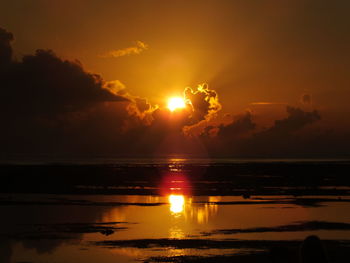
[{"x": 175, "y": 103}]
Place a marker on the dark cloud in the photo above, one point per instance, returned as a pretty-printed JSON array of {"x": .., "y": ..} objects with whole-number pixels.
[
  {"x": 44, "y": 84},
  {"x": 141, "y": 108},
  {"x": 204, "y": 107},
  {"x": 54, "y": 106},
  {"x": 142, "y": 104},
  {"x": 296, "y": 119},
  {"x": 5, "y": 47},
  {"x": 240, "y": 137},
  {"x": 204, "y": 101},
  {"x": 228, "y": 139},
  {"x": 284, "y": 137},
  {"x": 51, "y": 106},
  {"x": 242, "y": 125},
  {"x": 306, "y": 99}
]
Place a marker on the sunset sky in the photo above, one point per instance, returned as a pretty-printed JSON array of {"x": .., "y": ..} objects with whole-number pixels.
[{"x": 273, "y": 77}]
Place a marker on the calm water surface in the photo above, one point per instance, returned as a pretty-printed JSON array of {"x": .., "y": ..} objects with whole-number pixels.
[
  {"x": 61, "y": 228},
  {"x": 49, "y": 232}
]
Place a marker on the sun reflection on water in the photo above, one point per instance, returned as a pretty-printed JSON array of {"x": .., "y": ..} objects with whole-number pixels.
[
  {"x": 201, "y": 213},
  {"x": 176, "y": 187},
  {"x": 177, "y": 203},
  {"x": 181, "y": 205},
  {"x": 176, "y": 232}
]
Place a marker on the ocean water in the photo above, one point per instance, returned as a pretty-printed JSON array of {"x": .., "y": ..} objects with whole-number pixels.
[
  {"x": 172, "y": 210},
  {"x": 177, "y": 159}
]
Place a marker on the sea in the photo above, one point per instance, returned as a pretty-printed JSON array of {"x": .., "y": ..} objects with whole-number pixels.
[{"x": 175, "y": 209}]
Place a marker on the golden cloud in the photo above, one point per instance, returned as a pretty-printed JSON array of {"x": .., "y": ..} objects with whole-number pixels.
[{"x": 134, "y": 50}]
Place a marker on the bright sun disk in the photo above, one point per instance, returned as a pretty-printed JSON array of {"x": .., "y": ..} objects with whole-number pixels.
[{"x": 176, "y": 103}]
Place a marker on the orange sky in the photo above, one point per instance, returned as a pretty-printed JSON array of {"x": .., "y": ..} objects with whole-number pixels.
[{"x": 268, "y": 51}]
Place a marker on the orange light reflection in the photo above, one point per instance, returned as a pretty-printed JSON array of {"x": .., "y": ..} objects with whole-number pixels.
[{"x": 177, "y": 203}]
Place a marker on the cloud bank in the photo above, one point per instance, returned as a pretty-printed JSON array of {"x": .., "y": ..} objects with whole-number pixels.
[{"x": 54, "y": 107}]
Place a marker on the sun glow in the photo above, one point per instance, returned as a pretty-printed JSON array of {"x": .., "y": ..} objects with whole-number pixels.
[
  {"x": 175, "y": 103},
  {"x": 176, "y": 203}
]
